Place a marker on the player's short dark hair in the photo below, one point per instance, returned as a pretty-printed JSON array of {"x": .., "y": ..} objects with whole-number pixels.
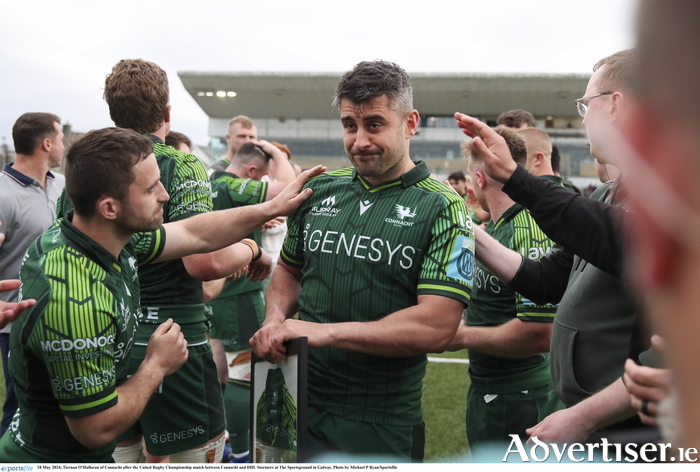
[
  {"x": 249, "y": 152},
  {"x": 516, "y": 118},
  {"x": 174, "y": 139},
  {"x": 30, "y": 129},
  {"x": 101, "y": 163},
  {"x": 458, "y": 176},
  {"x": 137, "y": 94},
  {"x": 372, "y": 79}
]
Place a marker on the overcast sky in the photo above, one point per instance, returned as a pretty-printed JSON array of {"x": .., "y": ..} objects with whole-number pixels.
[{"x": 54, "y": 55}]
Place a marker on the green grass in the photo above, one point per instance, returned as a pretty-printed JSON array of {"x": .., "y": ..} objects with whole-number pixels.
[{"x": 444, "y": 407}]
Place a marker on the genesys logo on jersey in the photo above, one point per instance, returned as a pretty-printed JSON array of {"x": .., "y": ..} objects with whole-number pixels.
[
  {"x": 402, "y": 216},
  {"x": 326, "y": 208}
]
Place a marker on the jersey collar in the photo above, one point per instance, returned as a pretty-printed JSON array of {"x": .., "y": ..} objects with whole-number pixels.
[
  {"x": 155, "y": 139},
  {"x": 87, "y": 245},
  {"x": 412, "y": 177},
  {"x": 20, "y": 178},
  {"x": 509, "y": 214}
]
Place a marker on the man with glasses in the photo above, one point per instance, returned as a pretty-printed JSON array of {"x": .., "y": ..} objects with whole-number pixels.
[{"x": 596, "y": 327}]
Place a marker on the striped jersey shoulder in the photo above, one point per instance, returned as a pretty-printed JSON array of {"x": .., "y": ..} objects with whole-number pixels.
[
  {"x": 63, "y": 263},
  {"x": 432, "y": 185},
  {"x": 180, "y": 158},
  {"x": 330, "y": 177}
]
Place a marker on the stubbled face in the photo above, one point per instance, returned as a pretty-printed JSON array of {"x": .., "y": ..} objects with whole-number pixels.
[
  {"x": 238, "y": 136},
  {"x": 57, "y": 147},
  {"x": 375, "y": 138},
  {"x": 143, "y": 208}
]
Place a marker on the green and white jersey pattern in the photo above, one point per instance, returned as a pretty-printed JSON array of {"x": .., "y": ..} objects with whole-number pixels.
[
  {"x": 367, "y": 252},
  {"x": 494, "y": 303},
  {"x": 236, "y": 317},
  {"x": 70, "y": 350},
  {"x": 230, "y": 191},
  {"x": 167, "y": 284}
]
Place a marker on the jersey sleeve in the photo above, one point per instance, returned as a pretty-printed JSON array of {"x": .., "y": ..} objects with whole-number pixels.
[
  {"x": 148, "y": 246},
  {"x": 74, "y": 338},
  {"x": 190, "y": 190},
  {"x": 447, "y": 268},
  {"x": 531, "y": 242},
  {"x": 292, "y": 252}
]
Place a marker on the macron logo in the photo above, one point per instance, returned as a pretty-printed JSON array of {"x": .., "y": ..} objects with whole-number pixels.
[
  {"x": 364, "y": 206},
  {"x": 330, "y": 201}
]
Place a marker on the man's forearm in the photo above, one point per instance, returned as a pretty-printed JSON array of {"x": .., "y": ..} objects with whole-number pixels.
[
  {"x": 218, "y": 264},
  {"x": 608, "y": 406},
  {"x": 513, "y": 339},
  {"x": 98, "y": 430},
  {"x": 498, "y": 259},
  {"x": 282, "y": 297},
  {"x": 408, "y": 332}
]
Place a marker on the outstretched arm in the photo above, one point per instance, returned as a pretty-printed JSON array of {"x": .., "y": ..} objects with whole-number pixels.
[
  {"x": 589, "y": 228},
  {"x": 217, "y": 229}
]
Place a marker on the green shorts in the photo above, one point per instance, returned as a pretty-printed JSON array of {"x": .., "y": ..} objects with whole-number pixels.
[
  {"x": 330, "y": 433},
  {"x": 187, "y": 409},
  {"x": 11, "y": 452},
  {"x": 491, "y": 417},
  {"x": 236, "y": 318}
]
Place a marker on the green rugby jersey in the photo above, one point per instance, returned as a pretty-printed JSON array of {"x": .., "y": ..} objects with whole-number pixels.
[
  {"x": 168, "y": 284},
  {"x": 366, "y": 252},
  {"x": 561, "y": 182},
  {"x": 229, "y": 191},
  {"x": 494, "y": 303},
  {"x": 70, "y": 351},
  {"x": 233, "y": 323}
]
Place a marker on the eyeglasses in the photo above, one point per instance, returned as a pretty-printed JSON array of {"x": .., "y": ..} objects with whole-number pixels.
[{"x": 582, "y": 105}]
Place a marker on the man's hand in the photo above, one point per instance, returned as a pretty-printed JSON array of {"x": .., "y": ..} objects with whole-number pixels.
[
  {"x": 274, "y": 222},
  {"x": 10, "y": 311},
  {"x": 270, "y": 149},
  {"x": 563, "y": 426},
  {"x": 292, "y": 195},
  {"x": 263, "y": 345},
  {"x": 260, "y": 269},
  {"x": 268, "y": 342},
  {"x": 491, "y": 147},
  {"x": 167, "y": 348},
  {"x": 647, "y": 386}
]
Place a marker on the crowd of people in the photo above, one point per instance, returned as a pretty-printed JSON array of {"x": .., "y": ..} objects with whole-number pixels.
[{"x": 142, "y": 291}]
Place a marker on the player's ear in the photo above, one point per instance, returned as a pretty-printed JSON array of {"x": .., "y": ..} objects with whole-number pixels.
[
  {"x": 108, "y": 207},
  {"x": 166, "y": 116},
  {"x": 412, "y": 123},
  {"x": 480, "y": 179}
]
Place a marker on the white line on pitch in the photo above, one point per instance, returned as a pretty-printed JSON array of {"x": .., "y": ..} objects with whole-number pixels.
[{"x": 449, "y": 360}]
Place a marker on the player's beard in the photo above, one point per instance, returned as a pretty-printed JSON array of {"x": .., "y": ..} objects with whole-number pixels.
[
  {"x": 135, "y": 223},
  {"x": 383, "y": 163}
]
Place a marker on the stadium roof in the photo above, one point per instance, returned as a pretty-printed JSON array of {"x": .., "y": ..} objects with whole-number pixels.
[{"x": 309, "y": 95}]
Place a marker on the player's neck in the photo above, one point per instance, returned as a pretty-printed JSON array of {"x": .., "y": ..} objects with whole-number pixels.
[
  {"x": 103, "y": 232},
  {"x": 499, "y": 204},
  {"x": 33, "y": 166}
]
